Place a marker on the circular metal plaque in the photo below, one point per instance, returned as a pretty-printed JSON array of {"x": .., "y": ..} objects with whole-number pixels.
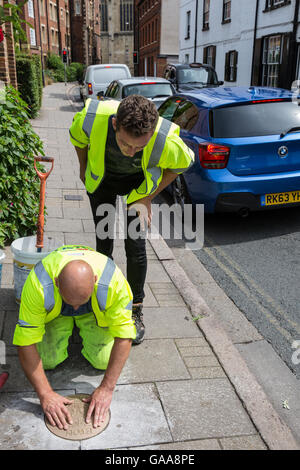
[{"x": 79, "y": 430}]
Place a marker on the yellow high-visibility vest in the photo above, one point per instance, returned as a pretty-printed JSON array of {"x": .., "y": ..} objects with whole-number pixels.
[
  {"x": 41, "y": 301},
  {"x": 165, "y": 150}
]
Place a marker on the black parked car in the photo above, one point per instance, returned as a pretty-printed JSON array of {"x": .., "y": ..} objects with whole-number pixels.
[{"x": 186, "y": 77}]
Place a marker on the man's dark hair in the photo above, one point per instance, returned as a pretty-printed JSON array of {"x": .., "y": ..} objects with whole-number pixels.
[{"x": 137, "y": 115}]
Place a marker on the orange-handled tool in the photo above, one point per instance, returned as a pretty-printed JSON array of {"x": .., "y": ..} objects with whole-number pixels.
[{"x": 43, "y": 177}]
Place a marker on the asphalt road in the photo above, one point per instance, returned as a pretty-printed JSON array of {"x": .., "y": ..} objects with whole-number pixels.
[{"x": 256, "y": 263}]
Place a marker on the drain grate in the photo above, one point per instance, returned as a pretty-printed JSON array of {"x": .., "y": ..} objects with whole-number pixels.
[{"x": 73, "y": 197}]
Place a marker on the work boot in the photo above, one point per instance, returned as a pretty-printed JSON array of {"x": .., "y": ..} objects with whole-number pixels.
[{"x": 137, "y": 317}]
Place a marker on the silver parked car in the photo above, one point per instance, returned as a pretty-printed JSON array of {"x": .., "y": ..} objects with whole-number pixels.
[
  {"x": 154, "y": 88},
  {"x": 98, "y": 77}
]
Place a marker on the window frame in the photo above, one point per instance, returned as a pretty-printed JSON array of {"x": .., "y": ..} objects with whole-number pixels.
[
  {"x": 274, "y": 4},
  {"x": 266, "y": 65},
  {"x": 206, "y": 11},
  {"x": 126, "y": 16},
  {"x": 188, "y": 25},
  {"x": 226, "y": 6},
  {"x": 206, "y": 55},
  {"x": 230, "y": 74}
]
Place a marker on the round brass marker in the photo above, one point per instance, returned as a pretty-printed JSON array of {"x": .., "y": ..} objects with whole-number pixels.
[{"x": 79, "y": 430}]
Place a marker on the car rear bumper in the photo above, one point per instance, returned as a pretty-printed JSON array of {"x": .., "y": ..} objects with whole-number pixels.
[
  {"x": 221, "y": 191},
  {"x": 244, "y": 202}
]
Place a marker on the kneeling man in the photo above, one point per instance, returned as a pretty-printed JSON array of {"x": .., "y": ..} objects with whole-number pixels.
[{"x": 74, "y": 285}]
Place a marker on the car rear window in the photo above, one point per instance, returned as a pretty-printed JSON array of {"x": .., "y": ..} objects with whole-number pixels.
[
  {"x": 252, "y": 120},
  {"x": 149, "y": 90},
  {"x": 107, "y": 75},
  {"x": 203, "y": 76}
]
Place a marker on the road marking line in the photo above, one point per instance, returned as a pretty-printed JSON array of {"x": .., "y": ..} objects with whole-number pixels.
[
  {"x": 262, "y": 293},
  {"x": 250, "y": 295}
]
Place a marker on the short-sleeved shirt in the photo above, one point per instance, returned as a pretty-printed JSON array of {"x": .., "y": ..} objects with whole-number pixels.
[{"x": 117, "y": 164}]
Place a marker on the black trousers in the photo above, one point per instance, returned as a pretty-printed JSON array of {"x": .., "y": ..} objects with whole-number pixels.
[{"x": 135, "y": 247}]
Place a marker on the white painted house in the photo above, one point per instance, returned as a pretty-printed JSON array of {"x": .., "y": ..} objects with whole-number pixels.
[{"x": 249, "y": 42}]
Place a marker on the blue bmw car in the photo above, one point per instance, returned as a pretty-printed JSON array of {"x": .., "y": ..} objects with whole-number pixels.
[{"x": 247, "y": 147}]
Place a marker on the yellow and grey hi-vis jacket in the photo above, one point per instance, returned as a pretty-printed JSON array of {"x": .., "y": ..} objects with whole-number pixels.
[
  {"x": 165, "y": 150},
  {"x": 41, "y": 302}
]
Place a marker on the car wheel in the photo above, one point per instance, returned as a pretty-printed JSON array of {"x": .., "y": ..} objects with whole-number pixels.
[{"x": 179, "y": 192}]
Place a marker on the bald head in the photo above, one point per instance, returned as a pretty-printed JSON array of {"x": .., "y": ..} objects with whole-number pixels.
[{"x": 76, "y": 282}]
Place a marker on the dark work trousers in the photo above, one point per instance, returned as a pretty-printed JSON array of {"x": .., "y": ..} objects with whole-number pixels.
[{"x": 135, "y": 249}]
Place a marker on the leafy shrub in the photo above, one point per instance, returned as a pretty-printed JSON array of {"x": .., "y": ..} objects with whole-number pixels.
[
  {"x": 19, "y": 183},
  {"x": 54, "y": 62},
  {"x": 56, "y": 69},
  {"x": 75, "y": 72},
  {"x": 28, "y": 83},
  {"x": 39, "y": 75}
]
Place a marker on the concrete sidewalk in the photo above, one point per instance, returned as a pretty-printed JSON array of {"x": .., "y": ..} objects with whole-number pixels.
[{"x": 186, "y": 387}]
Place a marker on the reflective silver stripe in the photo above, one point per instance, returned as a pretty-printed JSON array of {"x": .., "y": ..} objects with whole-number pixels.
[
  {"x": 129, "y": 306},
  {"x": 95, "y": 177},
  {"x": 24, "y": 324},
  {"x": 47, "y": 285},
  {"x": 159, "y": 143},
  {"x": 104, "y": 282},
  {"x": 155, "y": 175},
  {"x": 90, "y": 117}
]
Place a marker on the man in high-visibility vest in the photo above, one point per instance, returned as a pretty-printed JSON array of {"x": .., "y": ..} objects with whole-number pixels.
[
  {"x": 126, "y": 149},
  {"x": 74, "y": 284}
]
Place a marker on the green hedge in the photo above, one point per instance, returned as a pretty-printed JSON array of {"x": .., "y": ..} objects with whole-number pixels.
[
  {"x": 19, "y": 183},
  {"x": 56, "y": 69},
  {"x": 29, "y": 76}
]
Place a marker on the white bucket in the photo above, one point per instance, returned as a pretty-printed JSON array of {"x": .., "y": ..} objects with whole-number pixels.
[
  {"x": 2, "y": 256},
  {"x": 26, "y": 257}
]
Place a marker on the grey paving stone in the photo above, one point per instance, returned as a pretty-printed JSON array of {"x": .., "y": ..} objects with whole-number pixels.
[
  {"x": 204, "y": 361},
  {"x": 208, "y": 408},
  {"x": 7, "y": 299},
  {"x": 195, "y": 351},
  {"x": 166, "y": 363},
  {"x": 77, "y": 213},
  {"x": 156, "y": 272},
  {"x": 54, "y": 211},
  {"x": 206, "y": 372},
  {"x": 63, "y": 225},
  {"x": 149, "y": 300},
  {"x": 169, "y": 322},
  {"x": 23, "y": 427},
  {"x": 87, "y": 239},
  {"x": 205, "y": 444},
  {"x": 243, "y": 443},
  {"x": 137, "y": 418},
  {"x": 88, "y": 226}
]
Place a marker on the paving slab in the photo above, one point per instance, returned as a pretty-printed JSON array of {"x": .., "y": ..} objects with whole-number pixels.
[
  {"x": 22, "y": 424},
  {"x": 169, "y": 322},
  {"x": 208, "y": 408},
  {"x": 163, "y": 360},
  {"x": 137, "y": 418},
  {"x": 202, "y": 444}
]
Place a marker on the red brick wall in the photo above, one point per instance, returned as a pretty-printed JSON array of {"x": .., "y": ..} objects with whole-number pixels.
[
  {"x": 7, "y": 57},
  {"x": 148, "y": 15}
]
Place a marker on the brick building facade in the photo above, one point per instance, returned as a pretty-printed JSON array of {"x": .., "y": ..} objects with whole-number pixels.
[
  {"x": 8, "y": 73},
  {"x": 85, "y": 31},
  {"x": 156, "y": 35},
  {"x": 50, "y": 32}
]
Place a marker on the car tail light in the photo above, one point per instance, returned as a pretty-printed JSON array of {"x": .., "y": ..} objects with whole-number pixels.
[
  {"x": 213, "y": 156},
  {"x": 90, "y": 89}
]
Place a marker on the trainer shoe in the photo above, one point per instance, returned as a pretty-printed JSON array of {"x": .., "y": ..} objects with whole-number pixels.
[{"x": 137, "y": 317}]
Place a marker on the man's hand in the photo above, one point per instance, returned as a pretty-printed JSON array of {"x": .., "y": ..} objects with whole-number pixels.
[
  {"x": 144, "y": 211},
  {"x": 100, "y": 402},
  {"x": 54, "y": 408}
]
